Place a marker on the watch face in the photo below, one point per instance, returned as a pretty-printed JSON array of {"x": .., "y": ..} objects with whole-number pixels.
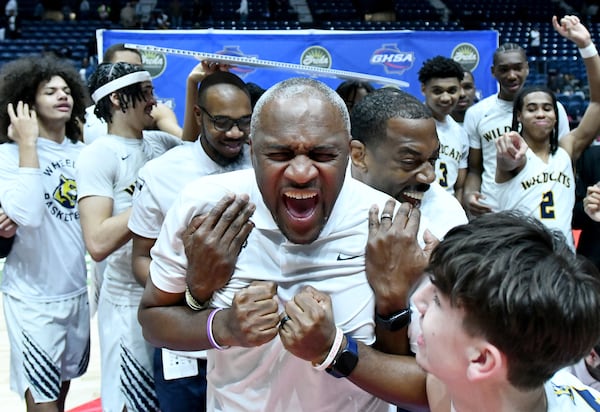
[
  {"x": 395, "y": 322},
  {"x": 346, "y": 362}
]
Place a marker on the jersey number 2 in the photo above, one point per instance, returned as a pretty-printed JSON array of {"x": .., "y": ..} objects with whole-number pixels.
[{"x": 547, "y": 206}]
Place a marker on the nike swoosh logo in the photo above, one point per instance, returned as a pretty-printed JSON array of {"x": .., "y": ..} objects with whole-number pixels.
[
  {"x": 125, "y": 157},
  {"x": 347, "y": 257}
]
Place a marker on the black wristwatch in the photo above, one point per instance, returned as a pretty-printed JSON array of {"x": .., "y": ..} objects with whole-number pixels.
[
  {"x": 345, "y": 361},
  {"x": 395, "y": 321}
]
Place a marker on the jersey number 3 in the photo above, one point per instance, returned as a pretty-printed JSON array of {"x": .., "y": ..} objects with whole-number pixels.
[{"x": 444, "y": 176}]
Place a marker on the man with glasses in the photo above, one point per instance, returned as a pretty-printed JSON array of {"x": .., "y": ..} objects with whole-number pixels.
[{"x": 222, "y": 114}]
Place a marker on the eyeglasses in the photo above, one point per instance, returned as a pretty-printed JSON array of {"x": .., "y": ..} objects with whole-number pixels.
[{"x": 224, "y": 123}]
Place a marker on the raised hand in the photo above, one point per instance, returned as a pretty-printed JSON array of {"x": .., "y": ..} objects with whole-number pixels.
[
  {"x": 213, "y": 242},
  {"x": 475, "y": 204},
  {"x": 510, "y": 151},
  {"x": 571, "y": 28},
  {"x": 23, "y": 127},
  {"x": 394, "y": 258},
  {"x": 591, "y": 202}
]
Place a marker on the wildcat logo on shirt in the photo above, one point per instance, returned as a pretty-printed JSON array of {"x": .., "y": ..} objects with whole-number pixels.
[
  {"x": 65, "y": 195},
  {"x": 66, "y": 192}
]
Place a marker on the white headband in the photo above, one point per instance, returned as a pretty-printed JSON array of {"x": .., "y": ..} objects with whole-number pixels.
[{"x": 114, "y": 85}]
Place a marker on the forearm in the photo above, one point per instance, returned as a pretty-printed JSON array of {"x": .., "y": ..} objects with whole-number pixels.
[
  {"x": 28, "y": 156},
  {"x": 141, "y": 268},
  {"x": 472, "y": 182},
  {"x": 190, "y": 126},
  {"x": 175, "y": 327},
  {"x": 140, "y": 257},
  {"x": 392, "y": 342},
  {"x": 23, "y": 201},
  {"x": 110, "y": 235},
  {"x": 460, "y": 184}
]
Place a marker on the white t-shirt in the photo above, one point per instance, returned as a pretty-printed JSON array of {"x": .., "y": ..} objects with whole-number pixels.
[
  {"x": 545, "y": 191},
  {"x": 161, "y": 180},
  {"x": 454, "y": 152},
  {"x": 565, "y": 393},
  {"x": 109, "y": 167},
  {"x": 268, "y": 377},
  {"x": 441, "y": 211},
  {"x": 47, "y": 260},
  {"x": 484, "y": 123},
  {"x": 94, "y": 127}
]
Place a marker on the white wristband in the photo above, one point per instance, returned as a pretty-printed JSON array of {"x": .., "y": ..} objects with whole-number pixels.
[
  {"x": 588, "y": 51},
  {"x": 337, "y": 342}
]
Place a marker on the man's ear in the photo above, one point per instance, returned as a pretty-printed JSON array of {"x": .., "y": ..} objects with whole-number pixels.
[
  {"x": 485, "y": 362},
  {"x": 198, "y": 115},
  {"x": 358, "y": 154},
  {"x": 114, "y": 99}
]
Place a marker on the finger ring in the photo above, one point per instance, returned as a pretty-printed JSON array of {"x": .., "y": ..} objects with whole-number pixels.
[
  {"x": 386, "y": 216},
  {"x": 284, "y": 320}
]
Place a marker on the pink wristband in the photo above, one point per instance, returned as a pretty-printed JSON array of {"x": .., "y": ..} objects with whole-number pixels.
[
  {"x": 335, "y": 347},
  {"x": 209, "y": 333}
]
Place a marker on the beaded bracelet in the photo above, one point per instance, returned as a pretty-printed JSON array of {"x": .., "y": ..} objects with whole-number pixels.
[
  {"x": 192, "y": 302},
  {"x": 209, "y": 332},
  {"x": 588, "y": 51},
  {"x": 333, "y": 351}
]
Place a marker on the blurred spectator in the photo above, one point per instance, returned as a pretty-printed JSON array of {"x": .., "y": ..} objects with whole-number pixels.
[
  {"x": 243, "y": 10},
  {"x": 176, "y": 14},
  {"x": 67, "y": 13},
  {"x": 86, "y": 69},
  {"x": 127, "y": 16},
  {"x": 38, "y": 11},
  {"x": 556, "y": 81},
  {"x": 13, "y": 26},
  {"x": 103, "y": 11},
  {"x": 11, "y": 7},
  {"x": 590, "y": 10},
  {"x": 84, "y": 10},
  {"x": 143, "y": 11},
  {"x": 160, "y": 19},
  {"x": 534, "y": 41}
]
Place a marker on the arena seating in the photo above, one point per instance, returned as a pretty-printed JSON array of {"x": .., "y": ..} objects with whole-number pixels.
[{"x": 513, "y": 20}]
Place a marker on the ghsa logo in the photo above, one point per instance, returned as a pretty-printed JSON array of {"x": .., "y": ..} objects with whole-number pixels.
[
  {"x": 393, "y": 60},
  {"x": 66, "y": 192},
  {"x": 235, "y": 51}
]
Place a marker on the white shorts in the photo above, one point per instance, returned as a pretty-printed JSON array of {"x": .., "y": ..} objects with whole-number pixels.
[
  {"x": 49, "y": 344},
  {"x": 126, "y": 360}
]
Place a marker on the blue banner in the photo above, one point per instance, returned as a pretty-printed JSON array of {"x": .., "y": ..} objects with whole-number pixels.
[{"x": 393, "y": 54}]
